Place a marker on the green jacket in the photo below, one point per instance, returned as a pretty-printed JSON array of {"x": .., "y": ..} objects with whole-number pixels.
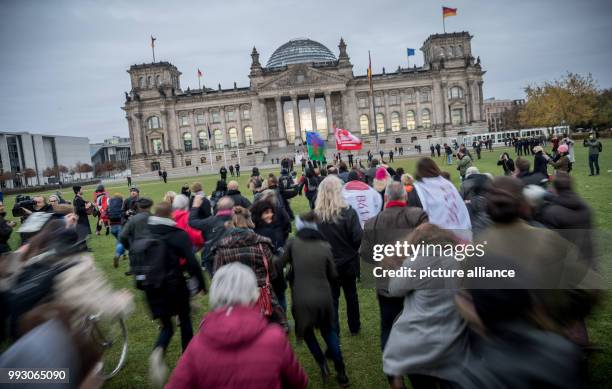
[
  {"x": 594, "y": 146},
  {"x": 463, "y": 164}
]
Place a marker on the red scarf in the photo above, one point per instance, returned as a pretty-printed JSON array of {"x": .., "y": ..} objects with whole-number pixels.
[{"x": 395, "y": 203}]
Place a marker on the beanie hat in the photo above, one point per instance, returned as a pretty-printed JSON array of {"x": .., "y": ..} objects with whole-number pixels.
[
  {"x": 563, "y": 148},
  {"x": 381, "y": 173}
]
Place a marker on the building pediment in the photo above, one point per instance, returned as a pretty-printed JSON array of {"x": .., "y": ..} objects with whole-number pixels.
[{"x": 301, "y": 76}]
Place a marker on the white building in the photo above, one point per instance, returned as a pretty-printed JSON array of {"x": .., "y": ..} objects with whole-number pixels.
[{"x": 20, "y": 151}]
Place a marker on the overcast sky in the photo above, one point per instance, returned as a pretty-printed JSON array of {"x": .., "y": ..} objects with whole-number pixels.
[{"x": 63, "y": 63}]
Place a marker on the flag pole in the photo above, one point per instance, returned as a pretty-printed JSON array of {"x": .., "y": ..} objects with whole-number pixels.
[
  {"x": 372, "y": 100},
  {"x": 443, "y": 21},
  {"x": 153, "y": 47},
  {"x": 199, "y": 82}
]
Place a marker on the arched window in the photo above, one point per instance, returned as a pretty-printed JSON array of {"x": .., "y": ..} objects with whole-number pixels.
[
  {"x": 153, "y": 123},
  {"x": 218, "y": 135},
  {"x": 187, "y": 141},
  {"x": 380, "y": 123},
  {"x": 410, "y": 120},
  {"x": 364, "y": 124},
  {"x": 426, "y": 118},
  {"x": 455, "y": 92},
  {"x": 141, "y": 82},
  {"x": 202, "y": 140},
  {"x": 395, "y": 122},
  {"x": 157, "y": 81},
  {"x": 248, "y": 135},
  {"x": 233, "y": 137}
]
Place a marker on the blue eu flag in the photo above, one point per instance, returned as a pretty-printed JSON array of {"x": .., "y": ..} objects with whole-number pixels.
[{"x": 410, "y": 52}]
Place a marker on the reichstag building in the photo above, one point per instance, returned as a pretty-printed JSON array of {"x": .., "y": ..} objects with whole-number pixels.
[{"x": 303, "y": 87}]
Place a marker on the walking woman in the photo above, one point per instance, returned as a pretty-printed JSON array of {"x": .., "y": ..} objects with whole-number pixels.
[
  {"x": 242, "y": 244},
  {"x": 339, "y": 224},
  {"x": 313, "y": 269}
]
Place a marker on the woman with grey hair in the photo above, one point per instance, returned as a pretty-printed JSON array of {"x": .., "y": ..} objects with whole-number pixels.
[
  {"x": 339, "y": 224},
  {"x": 180, "y": 214},
  {"x": 236, "y": 346}
]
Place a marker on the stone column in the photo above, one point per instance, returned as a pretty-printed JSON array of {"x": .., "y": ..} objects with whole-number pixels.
[
  {"x": 387, "y": 120},
  {"x": 239, "y": 124},
  {"x": 192, "y": 130},
  {"x": 480, "y": 101},
  {"x": 280, "y": 118},
  {"x": 470, "y": 103},
  {"x": 372, "y": 99},
  {"x": 166, "y": 142},
  {"x": 296, "y": 119},
  {"x": 328, "y": 113},
  {"x": 444, "y": 91},
  {"x": 223, "y": 126},
  {"x": 417, "y": 114},
  {"x": 401, "y": 96},
  {"x": 313, "y": 112},
  {"x": 137, "y": 143},
  {"x": 260, "y": 109}
]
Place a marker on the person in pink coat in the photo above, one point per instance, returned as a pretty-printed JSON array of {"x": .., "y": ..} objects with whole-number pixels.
[
  {"x": 236, "y": 347},
  {"x": 180, "y": 205}
]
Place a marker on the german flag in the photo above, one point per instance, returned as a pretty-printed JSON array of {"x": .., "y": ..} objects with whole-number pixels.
[{"x": 447, "y": 11}]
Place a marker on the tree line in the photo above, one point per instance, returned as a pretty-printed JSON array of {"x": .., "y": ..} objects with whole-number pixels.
[{"x": 60, "y": 172}]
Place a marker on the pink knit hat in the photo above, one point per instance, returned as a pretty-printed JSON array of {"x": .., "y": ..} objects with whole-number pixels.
[
  {"x": 563, "y": 148},
  {"x": 381, "y": 173}
]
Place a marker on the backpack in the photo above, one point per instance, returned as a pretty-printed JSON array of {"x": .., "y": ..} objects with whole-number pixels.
[
  {"x": 148, "y": 263},
  {"x": 114, "y": 209}
]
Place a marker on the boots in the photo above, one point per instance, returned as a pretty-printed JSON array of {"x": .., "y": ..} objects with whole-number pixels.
[{"x": 342, "y": 379}]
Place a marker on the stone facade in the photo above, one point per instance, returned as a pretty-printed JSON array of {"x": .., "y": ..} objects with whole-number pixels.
[{"x": 170, "y": 127}]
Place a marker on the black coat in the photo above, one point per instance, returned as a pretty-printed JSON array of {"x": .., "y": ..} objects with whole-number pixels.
[
  {"x": 80, "y": 210},
  {"x": 345, "y": 238},
  {"x": 173, "y": 296},
  {"x": 213, "y": 228},
  {"x": 572, "y": 218},
  {"x": 5, "y": 234},
  {"x": 238, "y": 198},
  {"x": 540, "y": 164}
]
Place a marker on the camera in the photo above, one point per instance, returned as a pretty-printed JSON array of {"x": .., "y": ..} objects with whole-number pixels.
[{"x": 22, "y": 201}]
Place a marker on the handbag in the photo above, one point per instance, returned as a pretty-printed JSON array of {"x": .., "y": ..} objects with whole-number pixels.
[{"x": 265, "y": 294}]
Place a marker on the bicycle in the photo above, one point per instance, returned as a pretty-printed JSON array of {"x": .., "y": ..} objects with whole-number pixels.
[{"x": 111, "y": 336}]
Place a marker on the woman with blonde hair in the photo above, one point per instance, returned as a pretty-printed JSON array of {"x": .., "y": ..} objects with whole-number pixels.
[
  {"x": 339, "y": 224},
  {"x": 169, "y": 197},
  {"x": 242, "y": 244}
]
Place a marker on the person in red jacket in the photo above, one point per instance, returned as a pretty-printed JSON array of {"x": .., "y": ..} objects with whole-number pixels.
[
  {"x": 101, "y": 200},
  {"x": 236, "y": 347},
  {"x": 180, "y": 205}
]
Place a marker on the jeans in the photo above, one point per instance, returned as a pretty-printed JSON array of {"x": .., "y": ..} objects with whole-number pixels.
[
  {"x": 333, "y": 347},
  {"x": 116, "y": 230},
  {"x": 167, "y": 330},
  {"x": 449, "y": 159},
  {"x": 594, "y": 163},
  {"x": 390, "y": 308},
  {"x": 347, "y": 280}
]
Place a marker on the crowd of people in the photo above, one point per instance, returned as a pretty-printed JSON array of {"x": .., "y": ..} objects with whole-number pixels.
[{"x": 516, "y": 333}]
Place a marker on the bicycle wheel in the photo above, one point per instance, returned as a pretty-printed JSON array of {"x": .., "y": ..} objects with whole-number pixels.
[{"x": 111, "y": 335}]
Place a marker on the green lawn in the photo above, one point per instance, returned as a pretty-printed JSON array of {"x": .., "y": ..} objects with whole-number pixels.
[{"x": 362, "y": 353}]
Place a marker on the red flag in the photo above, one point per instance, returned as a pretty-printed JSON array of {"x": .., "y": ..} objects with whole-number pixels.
[
  {"x": 346, "y": 141},
  {"x": 199, "y": 73},
  {"x": 153, "y": 41}
]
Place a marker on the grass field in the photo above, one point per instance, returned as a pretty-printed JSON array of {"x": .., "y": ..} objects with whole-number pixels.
[{"x": 362, "y": 353}]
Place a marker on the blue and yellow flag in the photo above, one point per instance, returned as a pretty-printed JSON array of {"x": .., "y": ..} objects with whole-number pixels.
[{"x": 316, "y": 146}]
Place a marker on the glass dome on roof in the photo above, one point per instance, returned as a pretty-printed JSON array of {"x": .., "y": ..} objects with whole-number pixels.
[{"x": 300, "y": 50}]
